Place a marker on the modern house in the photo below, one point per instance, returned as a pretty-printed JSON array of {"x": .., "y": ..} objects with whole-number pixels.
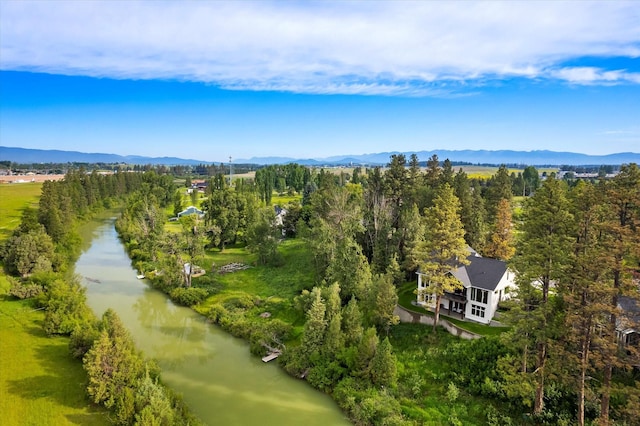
[
  {"x": 485, "y": 283},
  {"x": 191, "y": 210}
]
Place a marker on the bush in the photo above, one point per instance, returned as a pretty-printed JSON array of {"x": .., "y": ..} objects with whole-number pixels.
[
  {"x": 244, "y": 301},
  {"x": 66, "y": 307},
  {"x": 216, "y": 313},
  {"x": 188, "y": 296},
  {"x": 82, "y": 338},
  {"x": 24, "y": 290}
]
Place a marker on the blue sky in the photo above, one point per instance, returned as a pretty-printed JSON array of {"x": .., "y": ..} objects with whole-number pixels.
[{"x": 209, "y": 80}]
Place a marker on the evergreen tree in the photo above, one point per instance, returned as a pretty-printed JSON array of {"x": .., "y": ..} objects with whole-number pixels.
[
  {"x": 443, "y": 247},
  {"x": 366, "y": 351},
  {"x": 500, "y": 244},
  {"x": 152, "y": 405},
  {"x": 315, "y": 327},
  {"x": 382, "y": 301},
  {"x": 542, "y": 259},
  {"x": 446, "y": 175},
  {"x": 384, "y": 366},
  {"x": 477, "y": 230},
  {"x": 499, "y": 188},
  {"x": 432, "y": 174},
  {"x": 350, "y": 269},
  {"x": 621, "y": 225},
  {"x": 352, "y": 323},
  {"x": 177, "y": 203},
  {"x": 531, "y": 180},
  {"x": 586, "y": 295},
  {"x": 66, "y": 307},
  {"x": 112, "y": 364}
]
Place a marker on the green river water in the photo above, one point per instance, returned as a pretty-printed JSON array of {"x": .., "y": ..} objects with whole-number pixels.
[{"x": 221, "y": 382}]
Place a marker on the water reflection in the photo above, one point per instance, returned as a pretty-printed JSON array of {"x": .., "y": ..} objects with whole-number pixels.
[
  {"x": 175, "y": 335},
  {"x": 218, "y": 378}
]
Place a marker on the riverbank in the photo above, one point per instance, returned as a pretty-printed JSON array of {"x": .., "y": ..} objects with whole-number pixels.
[
  {"x": 219, "y": 379},
  {"x": 40, "y": 383}
]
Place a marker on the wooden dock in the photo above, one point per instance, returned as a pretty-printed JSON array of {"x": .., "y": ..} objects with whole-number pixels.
[{"x": 271, "y": 356}]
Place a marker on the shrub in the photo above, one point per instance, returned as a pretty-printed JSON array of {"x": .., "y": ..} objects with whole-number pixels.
[
  {"x": 188, "y": 296},
  {"x": 24, "y": 290},
  {"x": 82, "y": 338},
  {"x": 216, "y": 312}
]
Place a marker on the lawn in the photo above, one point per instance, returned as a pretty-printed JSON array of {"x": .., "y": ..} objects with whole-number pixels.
[
  {"x": 406, "y": 296},
  {"x": 40, "y": 384},
  {"x": 275, "y": 285},
  {"x": 14, "y": 198}
]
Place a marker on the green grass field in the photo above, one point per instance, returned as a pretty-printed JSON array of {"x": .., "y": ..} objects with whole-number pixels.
[
  {"x": 276, "y": 286},
  {"x": 40, "y": 384},
  {"x": 14, "y": 198}
]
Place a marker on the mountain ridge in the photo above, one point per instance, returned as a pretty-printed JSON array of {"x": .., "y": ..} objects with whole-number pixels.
[{"x": 535, "y": 158}]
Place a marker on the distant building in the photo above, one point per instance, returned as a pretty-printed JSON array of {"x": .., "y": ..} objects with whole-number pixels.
[{"x": 191, "y": 210}]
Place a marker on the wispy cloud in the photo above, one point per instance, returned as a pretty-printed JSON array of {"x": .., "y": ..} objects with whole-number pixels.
[
  {"x": 593, "y": 75},
  {"x": 383, "y": 48}
]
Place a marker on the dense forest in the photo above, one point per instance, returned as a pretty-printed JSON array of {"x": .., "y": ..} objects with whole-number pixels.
[{"x": 574, "y": 244}]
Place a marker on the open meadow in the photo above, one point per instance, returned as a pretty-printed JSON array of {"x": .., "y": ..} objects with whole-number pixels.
[{"x": 40, "y": 383}]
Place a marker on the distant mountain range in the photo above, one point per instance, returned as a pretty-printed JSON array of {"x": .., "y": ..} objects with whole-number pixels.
[{"x": 535, "y": 158}]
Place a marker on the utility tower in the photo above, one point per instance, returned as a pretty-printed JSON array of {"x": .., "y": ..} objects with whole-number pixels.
[{"x": 230, "y": 173}]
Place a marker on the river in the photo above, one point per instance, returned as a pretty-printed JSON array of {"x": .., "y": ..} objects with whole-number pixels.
[{"x": 221, "y": 382}]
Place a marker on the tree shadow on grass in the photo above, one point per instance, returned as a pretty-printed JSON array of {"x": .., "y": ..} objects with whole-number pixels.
[
  {"x": 51, "y": 388},
  {"x": 63, "y": 381},
  {"x": 35, "y": 387},
  {"x": 86, "y": 419}
]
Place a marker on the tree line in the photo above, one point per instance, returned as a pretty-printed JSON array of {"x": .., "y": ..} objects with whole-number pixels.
[
  {"x": 38, "y": 258},
  {"x": 370, "y": 230},
  {"x": 574, "y": 246}
]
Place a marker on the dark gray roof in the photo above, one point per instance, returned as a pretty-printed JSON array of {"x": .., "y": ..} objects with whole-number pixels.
[
  {"x": 482, "y": 272},
  {"x": 628, "y": 304}
]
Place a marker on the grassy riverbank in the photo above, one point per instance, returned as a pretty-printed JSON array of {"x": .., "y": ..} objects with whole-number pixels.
[
  {"x": 40, "y": 384},
  {"x": 425, "y": 392}
]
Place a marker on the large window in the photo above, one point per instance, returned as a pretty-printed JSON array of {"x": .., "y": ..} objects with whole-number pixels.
[
  {"x": 478, "y": 295},
  {"x": 477, "y": 311}
]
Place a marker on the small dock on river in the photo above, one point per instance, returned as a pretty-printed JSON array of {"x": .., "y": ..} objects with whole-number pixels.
[{"x": 271, "y": 356}]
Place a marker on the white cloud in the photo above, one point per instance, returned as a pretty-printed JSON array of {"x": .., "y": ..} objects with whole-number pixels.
[
  {"x": 593, "y": 75},
  {"x": 392, "y": 48}
]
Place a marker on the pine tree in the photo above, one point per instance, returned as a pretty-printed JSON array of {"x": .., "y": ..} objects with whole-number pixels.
[
  {"x": 499, "y": 188},
  {"x": 432, "y": 174},
  {"x": 443, "y": 247},
  {"x": 586, "y": 293},
  {"x": 621, "y": 225},
  {"x": 500, "y": 244},
  {"x": 542, "y": 259}
]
